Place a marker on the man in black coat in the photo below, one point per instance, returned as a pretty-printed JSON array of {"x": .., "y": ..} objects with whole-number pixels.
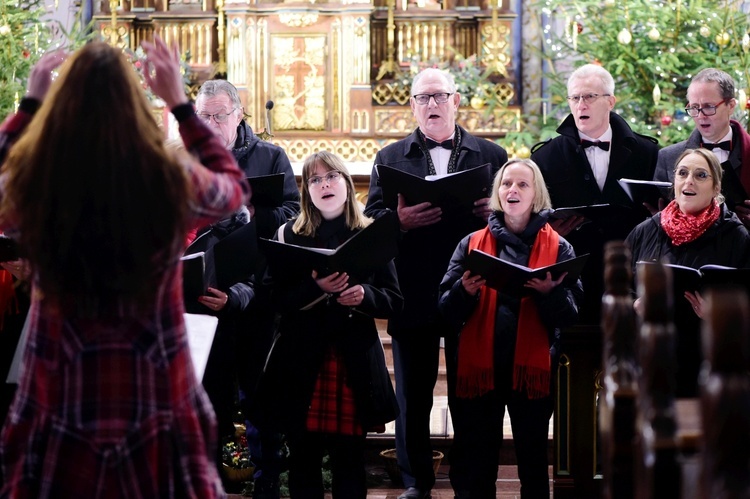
[
  {"x": 429, "y": 236},
  {"x": 711, "y": 104},
  {"x": 245, "y": 307},
  {"x": 582, "y": 166}
]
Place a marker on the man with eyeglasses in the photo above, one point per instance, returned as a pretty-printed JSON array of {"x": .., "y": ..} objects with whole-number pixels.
[
  {"x": 243, "y": 308},
  {"x": 429, "y": 235},
  {"x": 582, "y": 166},
  {"x": 711, "y": 104}
]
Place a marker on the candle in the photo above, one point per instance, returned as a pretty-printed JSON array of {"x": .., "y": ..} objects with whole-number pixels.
[{"x": 544, "y": 113}]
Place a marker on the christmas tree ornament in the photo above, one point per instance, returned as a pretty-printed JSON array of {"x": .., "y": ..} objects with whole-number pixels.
[
  {"x": 722, "y": 38},
  {"x": 666, "y": 120},
  {"x": 742, "y": 96},
  {"x": 745, "y": 42},
  {"x": 705, "y": 31},
  {"x": 656, "y": 94},
  {"x": 624, "y": 36},
  {"x": 654, "y": 34},
  {"x": 4, "y": 30}
]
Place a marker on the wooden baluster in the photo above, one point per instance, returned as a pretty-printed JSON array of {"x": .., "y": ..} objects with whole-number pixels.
[
  {"x": 725, "y": 396},
  {"x": 658, "y": 472},
  {"x": 617, "y": 408}
]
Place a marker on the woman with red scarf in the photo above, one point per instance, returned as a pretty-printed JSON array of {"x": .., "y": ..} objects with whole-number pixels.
[
  {"x": 506, "y": 344},
  {"x": 695, "y": 229}
]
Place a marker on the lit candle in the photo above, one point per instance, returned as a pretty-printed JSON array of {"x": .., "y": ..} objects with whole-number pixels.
[{"x": 544, "y": 113}]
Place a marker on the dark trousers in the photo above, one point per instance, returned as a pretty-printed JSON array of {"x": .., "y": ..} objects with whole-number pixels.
[
  {"x": 415, "y": 358},
  {"x": 347, "y": 460},
  {"x": 478, "y": 436}
]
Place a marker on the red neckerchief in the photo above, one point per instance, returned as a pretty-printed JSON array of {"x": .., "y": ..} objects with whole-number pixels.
[
  {"x": 683, "y": 228},
  {"x": 531, "y": 361}
]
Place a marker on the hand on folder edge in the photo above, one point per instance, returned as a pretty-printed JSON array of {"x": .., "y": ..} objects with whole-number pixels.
[
  {"x": 565, "y": 226},
  {"x": 419, "y": 215}
]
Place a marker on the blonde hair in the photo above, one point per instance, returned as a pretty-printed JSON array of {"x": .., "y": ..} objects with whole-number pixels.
[
  {"x": 541, "y": 194},
  {"x": 713, "y": 166},
  {"x": 309, "y": 218}
]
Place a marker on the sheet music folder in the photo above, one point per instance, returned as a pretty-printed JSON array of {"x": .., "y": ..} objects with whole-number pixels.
[
  {"x": 455, "y": 189},
  {"x": 267, "y": 190},
  {"x": 600, "y": 214},
  {"x": 648, "y": 191},
  {"x": 510, "y": 277},
  {"x": 369, "y": 249},
  {"x": 707, "y": 276}
]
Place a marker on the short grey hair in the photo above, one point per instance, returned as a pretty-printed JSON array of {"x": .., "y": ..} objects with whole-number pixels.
[
  {"x": 594, "y": 70},
  {"x": 725, "y": 81},
  {"x": 445, "y": 74},
  {"x": 212, "y": 88}
]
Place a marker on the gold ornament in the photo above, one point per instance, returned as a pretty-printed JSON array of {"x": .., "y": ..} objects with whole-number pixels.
[
  {"x": 656, "y": 94},
  {"x": 705, "y": 31},
  {"x": 654, "y": 34},
  {"x": 523, "y": 152},
  {"x": 624, "y": 36},
  {"x": 722, "y": 38}
]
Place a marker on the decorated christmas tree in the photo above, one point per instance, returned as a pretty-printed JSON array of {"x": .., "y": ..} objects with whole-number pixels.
[
  {"x": 23, "y": 39},
  {"x": 651, "y": 47}
]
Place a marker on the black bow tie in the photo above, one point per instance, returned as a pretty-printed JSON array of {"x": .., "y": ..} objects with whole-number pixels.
[
  {"x": 726, "y": 145},
  {"x": 446, "y": 144},
  {"x": 602, "y": 145}
]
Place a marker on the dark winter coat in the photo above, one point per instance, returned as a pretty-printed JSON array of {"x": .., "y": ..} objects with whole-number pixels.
[
  {"x": 726, "y": 243},
  {"x": 557, "y": 309},
  {"x": 571, "y": 182},
  {"x": 288, "y": 381},
  {"x": 424, "y": 252}
]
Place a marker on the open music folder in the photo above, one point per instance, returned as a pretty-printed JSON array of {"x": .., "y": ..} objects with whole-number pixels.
[
  {"x": 361, "y": 254},
  {"x": 455, "y": 189},
  {"x": 510, "y": 277}
]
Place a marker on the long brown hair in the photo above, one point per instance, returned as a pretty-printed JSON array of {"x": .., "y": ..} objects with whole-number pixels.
[{"x": 100, "y": 203}]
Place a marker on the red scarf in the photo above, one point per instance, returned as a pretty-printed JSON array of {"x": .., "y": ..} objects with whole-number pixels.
[
  {"x": 531, "y": 362},
  {"x": 683, "y": 228}
]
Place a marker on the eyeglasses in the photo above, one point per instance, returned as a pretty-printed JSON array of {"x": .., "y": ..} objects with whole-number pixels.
[
  {"x": 218, "y": 117},
  {"x": 440, "y": 98},
  {"x": 331, "y": 178},
  {"x": 586, "y": 98},
  {"x": 699, "y": 175},
  {"x": 709, "y": 110}
]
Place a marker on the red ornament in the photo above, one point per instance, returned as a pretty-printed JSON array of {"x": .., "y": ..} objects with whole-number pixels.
[
  {"x": 666, "y": 120},
  {"x": 26, "y": 54},
  {"x": 580, "y": 28},
  {"x": 747, "y": 104}
]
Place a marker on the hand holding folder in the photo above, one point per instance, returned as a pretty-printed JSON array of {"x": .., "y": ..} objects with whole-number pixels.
[
  {"x": 510, "y": 277},
  {"x": 359, "y": 256}
]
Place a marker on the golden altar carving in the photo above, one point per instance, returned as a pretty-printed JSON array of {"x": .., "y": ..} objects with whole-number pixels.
[{"x": 325, "y": 65}]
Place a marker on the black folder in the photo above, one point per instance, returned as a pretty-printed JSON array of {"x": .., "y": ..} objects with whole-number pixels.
[
  {"x": 267, "y": 190},
  {"x": 195, "y": 280},
  {"x": 602, "y": 215},
  {"x": 645, "y": 191},
  {"x": 359, "y": 256},
  {"x": 236, "y": 256},
  {"x": 707, "y": 276},
  {"x": 510, "y": 277},
  {"x": 455, "y": 189}
]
